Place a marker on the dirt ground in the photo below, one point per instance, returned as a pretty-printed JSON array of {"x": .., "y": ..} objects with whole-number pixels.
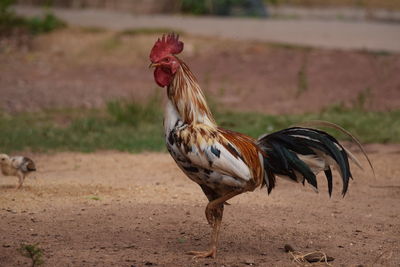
[
  {"x": 89, "y": 67},
  {"x": 119, "y": 209}
]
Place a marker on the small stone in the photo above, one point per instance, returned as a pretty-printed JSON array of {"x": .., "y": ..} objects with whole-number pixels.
[
  {"x": 10, "y": 210},
  {"x": 249, "y": 262}
]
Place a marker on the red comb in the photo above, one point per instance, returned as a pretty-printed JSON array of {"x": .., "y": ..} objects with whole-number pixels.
[{"x": 165, "y": 46}]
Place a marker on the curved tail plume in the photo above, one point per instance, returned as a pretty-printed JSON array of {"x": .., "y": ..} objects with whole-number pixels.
[
  {"x": 300, "y": 153},
  {"x": 319, "y": 123}
]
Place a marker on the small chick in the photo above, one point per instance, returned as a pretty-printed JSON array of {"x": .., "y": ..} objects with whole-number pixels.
[{"x": 16, "y": 166}]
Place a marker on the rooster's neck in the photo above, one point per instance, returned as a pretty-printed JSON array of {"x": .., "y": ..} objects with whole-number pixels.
[{"x": 188, "y": 99}]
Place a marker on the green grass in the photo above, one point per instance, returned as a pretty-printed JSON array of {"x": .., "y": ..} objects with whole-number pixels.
[
  {"x": 33, "y": 252},
  {"x": 128, "y": 126},
  {"x": 44, "y": 24},
  {"x": 33, "y": 25},
  {"x": 368, "y": 126},
  {"x": 93, "y": 197}
]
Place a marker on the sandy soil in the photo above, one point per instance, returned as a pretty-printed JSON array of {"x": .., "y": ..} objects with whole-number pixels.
[{"x": 147, "y": 213}]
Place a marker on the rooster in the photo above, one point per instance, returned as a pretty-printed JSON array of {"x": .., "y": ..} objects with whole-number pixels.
[
  {"x": 226, "y": 163},
  {"x": 16, "y": 166}
]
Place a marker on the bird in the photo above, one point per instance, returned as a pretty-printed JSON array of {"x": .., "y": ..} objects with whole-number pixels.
[
  {"x": 226, "y": 163},
  {"x": 16, "y": 166}
]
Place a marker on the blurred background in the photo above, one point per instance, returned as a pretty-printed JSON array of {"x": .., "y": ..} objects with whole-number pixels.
[{"x": 74, "y": 76}]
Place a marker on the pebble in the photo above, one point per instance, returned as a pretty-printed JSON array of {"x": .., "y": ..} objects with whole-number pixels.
[{"x": 250, "y": 262}]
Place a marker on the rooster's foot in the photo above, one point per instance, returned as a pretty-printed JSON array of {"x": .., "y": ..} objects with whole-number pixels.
[{"x": 203, "y": 254}]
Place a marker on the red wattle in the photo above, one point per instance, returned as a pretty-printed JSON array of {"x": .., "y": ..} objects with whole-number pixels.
[{"x": 162, "y": 77}]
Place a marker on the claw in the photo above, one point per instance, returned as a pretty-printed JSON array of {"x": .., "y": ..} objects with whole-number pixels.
[{"x": 212, "y": 253}]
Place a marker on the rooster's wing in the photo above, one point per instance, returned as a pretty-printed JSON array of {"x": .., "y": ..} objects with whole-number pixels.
[{"x": 233, "y": 155}]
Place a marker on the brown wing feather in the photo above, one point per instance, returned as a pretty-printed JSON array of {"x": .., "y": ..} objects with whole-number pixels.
[{"x": 245, "y": 148}]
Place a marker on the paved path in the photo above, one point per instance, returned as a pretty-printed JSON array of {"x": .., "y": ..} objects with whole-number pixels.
[
  {"x": 329, "y": 34},
  {"x": 335, "y": 13}
]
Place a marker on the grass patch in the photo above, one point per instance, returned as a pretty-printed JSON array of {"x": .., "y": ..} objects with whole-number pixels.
[
  {"x": 132, "y": 113},
  {"x": 368, "y": 126},
  {"x": 133, "y": 127},
  {"x": 123, "y": 126},
  {"x": 9, "y": 21},
  {"x": 33, "y": 252},
  {"x": 44, "y": 24},
  {"x": 93, "y": 197}
]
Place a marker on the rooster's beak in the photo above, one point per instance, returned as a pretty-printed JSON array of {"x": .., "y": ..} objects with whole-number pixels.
[{"x": 153, "y": 65}]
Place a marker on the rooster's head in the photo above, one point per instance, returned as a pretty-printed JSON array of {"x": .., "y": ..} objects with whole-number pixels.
[{"x": 163, "y": 59}]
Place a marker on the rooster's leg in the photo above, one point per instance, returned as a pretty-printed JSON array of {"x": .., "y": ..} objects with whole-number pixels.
[{"x": 214, "y": 212}]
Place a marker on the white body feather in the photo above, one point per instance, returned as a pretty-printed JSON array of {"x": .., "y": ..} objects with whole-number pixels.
[{"x": 200, "y": 164}]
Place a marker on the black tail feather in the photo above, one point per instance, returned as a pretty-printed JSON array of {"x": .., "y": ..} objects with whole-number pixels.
[
  {"x": 318, "y": 123},
  {"x": 328, "y": 174},
  {"x": 284, "y": 149}
]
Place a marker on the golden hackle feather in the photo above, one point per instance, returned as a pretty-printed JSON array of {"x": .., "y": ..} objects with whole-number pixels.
[{"x": 188, "y": 98}]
